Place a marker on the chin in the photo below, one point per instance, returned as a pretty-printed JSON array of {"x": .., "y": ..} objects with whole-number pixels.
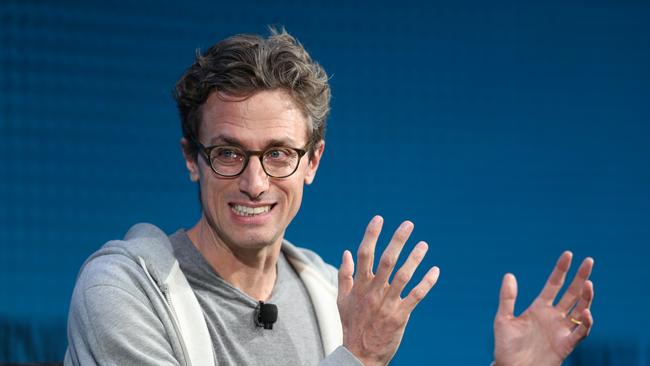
[{"x": 253, "y": 239}]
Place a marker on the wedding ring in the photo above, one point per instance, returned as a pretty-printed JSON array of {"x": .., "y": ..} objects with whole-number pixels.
[{"x": 575, "y": 321}]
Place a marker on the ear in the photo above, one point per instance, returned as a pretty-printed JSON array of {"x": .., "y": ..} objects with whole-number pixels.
[
  {"x": 190, "y": 160},
  {"x": 314, "y": 161}
]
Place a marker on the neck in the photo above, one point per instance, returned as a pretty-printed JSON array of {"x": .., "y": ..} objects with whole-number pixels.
[{"x": 250, "y": 270}]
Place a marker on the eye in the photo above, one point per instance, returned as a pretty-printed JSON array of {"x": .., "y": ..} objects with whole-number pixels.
[
  {"x": 227, "y": 154},
  {"x": 278, "y": 154}
]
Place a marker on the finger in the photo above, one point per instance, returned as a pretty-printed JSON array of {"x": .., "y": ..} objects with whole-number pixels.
[
  {"x": 556, "y": 279},
  {"x": 582, "y": 330},
  {"x": 366, "y": 251},
  {"x": 575, "y": 289},
  {"x": 421, "y": 290},
  {"x": 586, "y": 298},
  {"x": 345, "y": 275},
  {"x": 391, "y": 254},
  {"x": 404, "y": 275},
  {"x": 507, "y": 296}
]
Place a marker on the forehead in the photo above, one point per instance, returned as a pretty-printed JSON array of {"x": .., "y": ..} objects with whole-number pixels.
[{"x": 262, "y": 117}]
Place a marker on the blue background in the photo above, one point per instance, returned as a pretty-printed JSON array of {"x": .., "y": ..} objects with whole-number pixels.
[{"x": 506, "y": 131}]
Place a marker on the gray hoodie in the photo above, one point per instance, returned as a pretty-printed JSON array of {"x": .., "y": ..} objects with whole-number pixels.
[{"x": 132, "y": 305}]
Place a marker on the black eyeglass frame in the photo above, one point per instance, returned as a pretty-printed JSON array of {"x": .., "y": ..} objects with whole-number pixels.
[{"x": 206, "y": 151}]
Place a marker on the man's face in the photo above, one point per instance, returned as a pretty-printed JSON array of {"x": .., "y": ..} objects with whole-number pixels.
[{"x": 265, "y": 119}]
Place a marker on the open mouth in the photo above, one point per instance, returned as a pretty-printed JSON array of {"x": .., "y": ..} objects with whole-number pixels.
[{"x": 241, "y": 210}]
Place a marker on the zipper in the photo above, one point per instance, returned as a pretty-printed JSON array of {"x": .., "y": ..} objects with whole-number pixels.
[{"x": 163, "y": 292}]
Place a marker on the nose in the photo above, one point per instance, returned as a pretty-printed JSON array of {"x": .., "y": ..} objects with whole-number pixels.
[{"x": 253, "y": 181}]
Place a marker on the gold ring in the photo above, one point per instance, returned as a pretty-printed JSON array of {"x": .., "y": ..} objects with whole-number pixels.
[{"x": 575, "y": 321}]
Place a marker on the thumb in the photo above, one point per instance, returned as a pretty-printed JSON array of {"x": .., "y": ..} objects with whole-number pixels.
[
  {"x": 507, "y": 296},
  {"x": 345, "y": 274}
]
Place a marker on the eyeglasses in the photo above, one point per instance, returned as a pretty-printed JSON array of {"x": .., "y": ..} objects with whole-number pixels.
[{"x": 230, "y": 161}]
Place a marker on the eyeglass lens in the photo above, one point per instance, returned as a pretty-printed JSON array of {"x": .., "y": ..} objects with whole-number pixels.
[{"x": 276, "y": 161}]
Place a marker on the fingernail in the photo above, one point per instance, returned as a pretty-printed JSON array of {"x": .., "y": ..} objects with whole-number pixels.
[{"x": 345, "y": 252}]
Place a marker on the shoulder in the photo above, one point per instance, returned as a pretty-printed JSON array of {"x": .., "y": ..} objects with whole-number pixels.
[
  {"x": 121, "y": 263},
  {"x": 142, "y": 242},
  {"x": 115, "y": 302}
]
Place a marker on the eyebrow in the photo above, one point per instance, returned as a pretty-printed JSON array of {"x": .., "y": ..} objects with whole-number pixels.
[{"x": 234, "y": 141}]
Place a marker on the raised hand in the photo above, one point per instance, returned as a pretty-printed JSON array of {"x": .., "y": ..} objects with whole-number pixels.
[
  {"x": 544, "y": 334},
  {"x": 373, "y": 314}
]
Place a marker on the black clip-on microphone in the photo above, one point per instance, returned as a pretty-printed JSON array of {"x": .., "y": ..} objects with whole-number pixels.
[{"x": 267, "y": 314}]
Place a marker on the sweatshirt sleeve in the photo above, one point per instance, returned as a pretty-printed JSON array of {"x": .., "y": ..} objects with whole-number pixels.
[
  {"x": 340, "y": 357},
  {"x": 112, "y": 322}
]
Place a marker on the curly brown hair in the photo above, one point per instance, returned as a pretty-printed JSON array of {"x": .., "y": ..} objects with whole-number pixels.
[{"x": 244, "y": 64}]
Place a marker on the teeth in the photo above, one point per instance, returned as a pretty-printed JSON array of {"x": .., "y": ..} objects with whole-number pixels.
[{"x": 249, "y": 211}]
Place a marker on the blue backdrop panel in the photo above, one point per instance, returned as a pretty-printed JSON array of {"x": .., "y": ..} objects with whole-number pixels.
[{"x": 506, "y": 131}]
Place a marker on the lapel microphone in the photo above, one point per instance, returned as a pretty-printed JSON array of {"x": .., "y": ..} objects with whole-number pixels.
[{"x": 267, "y": 314}]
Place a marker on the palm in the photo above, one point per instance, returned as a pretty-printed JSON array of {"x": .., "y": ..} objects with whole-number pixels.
[
  {"x": 542, "y": 326},
  {"x": 544, "y": 334},
  {"x": 373, "y": 314}
]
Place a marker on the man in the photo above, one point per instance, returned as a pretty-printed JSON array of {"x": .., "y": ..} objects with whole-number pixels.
[{"x": 253, "y": 113}]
